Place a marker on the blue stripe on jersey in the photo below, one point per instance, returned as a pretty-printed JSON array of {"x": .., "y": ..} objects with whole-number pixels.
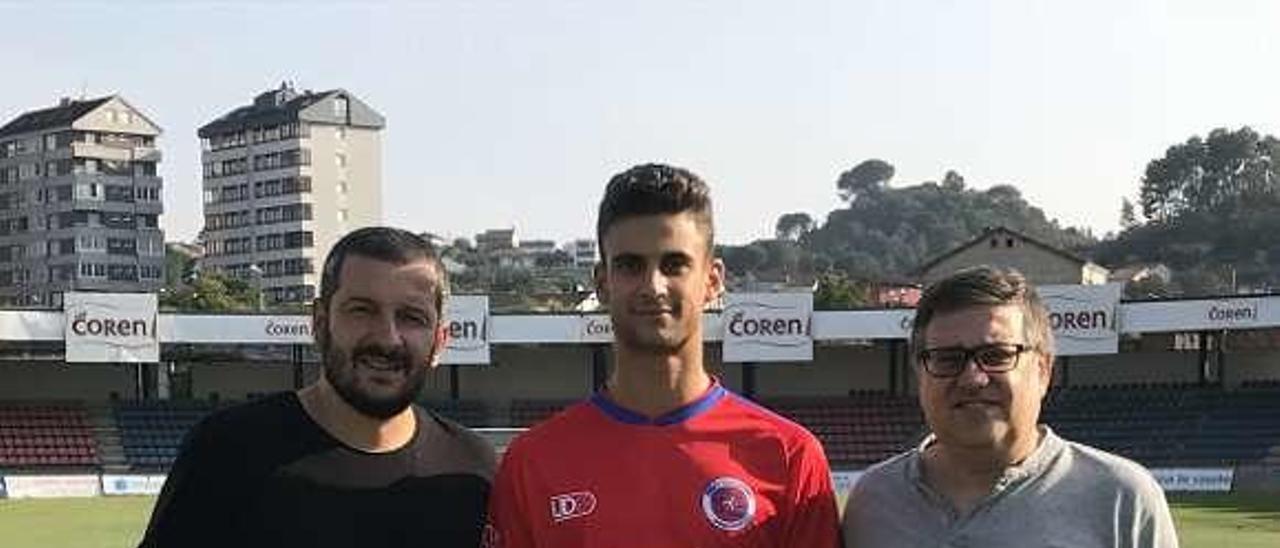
[{"x": 693, "y": 409}]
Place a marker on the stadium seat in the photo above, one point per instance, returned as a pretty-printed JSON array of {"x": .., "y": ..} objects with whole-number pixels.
[{"x": 45, "y": 434}]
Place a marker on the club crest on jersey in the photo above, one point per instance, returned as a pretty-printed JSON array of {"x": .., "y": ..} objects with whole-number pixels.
[
  {"x": 729, "y": 503},
  {"x": 490, "y": 538},
  {"x": 572, "y": 505}
]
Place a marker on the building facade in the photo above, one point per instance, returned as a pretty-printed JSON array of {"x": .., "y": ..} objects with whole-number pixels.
[
  {"x": 80, "y": 202},
  {"x": 284, "y": 178},
  {"x": 1041, "y": 263}
]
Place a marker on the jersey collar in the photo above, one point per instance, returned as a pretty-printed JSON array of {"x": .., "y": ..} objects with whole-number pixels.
[{"x": 690, "y": 410}]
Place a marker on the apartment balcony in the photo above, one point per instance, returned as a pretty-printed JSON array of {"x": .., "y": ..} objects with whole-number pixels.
[{"x": 124, "y": 152}]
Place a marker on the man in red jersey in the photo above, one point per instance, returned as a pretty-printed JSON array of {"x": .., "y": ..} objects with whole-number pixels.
[{"x": 664, "y": 456}]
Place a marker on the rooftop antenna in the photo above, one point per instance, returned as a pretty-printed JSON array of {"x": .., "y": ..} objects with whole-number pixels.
[{"x": 84, "y": 86}]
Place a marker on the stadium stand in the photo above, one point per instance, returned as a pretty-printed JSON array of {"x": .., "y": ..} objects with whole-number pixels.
[
  {"x": 858, "y": 431},
  {"x": 151, "y": 432},
  {"x": 39, "y": 435},
  {"x": 468, "y": 412},
  {"x": 526, "y": 413},
  {"x": 1172, "y": 425},
  {"x": 1159, "y": 425}
]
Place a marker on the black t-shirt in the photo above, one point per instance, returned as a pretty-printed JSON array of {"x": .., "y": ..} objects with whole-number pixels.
[{"x": 265, "y": 474}]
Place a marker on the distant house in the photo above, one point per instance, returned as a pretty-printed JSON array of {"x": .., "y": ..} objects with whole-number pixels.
[
  {"x": 1041, "y": 263},
  {"x": 495, "y": 239},
  {"x": 583, "y": 251}
]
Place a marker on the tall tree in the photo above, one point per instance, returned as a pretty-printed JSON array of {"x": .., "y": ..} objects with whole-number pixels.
[
  {"x": 792, "y": 226},
  {"x": 1223, "y": 173},
  {"x": 866, "y": 177},
  {"x": 1128, "y": 219},
  {"x": 953, "y": 181},
  {"x": 212, "y": 293}
]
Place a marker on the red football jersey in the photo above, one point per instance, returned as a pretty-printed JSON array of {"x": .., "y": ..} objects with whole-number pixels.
[{"x": 721, "y": 471}]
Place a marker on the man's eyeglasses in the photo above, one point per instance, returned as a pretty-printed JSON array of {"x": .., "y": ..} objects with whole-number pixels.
[{"x": 991, "y": 358}]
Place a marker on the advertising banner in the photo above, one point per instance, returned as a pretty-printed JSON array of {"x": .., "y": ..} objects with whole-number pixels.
[
  {"x": 20, "y": 487},
  {"x": 247, "y": 329},
  {"x": 468, "y": 317},
  {"x": 1084, "y": 318},
  {"x": 1203, "y": 314},
  {"x": 768, "y": 327},
  {"x": 595, "y": 328},
  {"x": 1199, "y": 480},
  {"x": 111, "y": 327},
  {"x": 132, "y": 484}
]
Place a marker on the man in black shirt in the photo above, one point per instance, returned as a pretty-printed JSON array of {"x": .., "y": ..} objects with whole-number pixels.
[{"x": 348, "y": 461}]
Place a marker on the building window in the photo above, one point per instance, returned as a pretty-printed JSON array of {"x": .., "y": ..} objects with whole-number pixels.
[
  {"x": 340, "y": 159},
  {"x": 122, "y": 273},
  {"x": 340, "y": 107},
  {"x": 92, "y": 244},
  {"x": 342, "y": 215},
  {"x": 122, "y": 246},
  {"x": 340, "y": 132},
  {"x": 342, "y": 187}
]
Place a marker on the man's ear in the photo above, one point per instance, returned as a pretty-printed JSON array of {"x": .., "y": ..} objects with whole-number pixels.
[
  {"x": 715, "y": 281},
  {"x": 439, "y": 342},
  {"x": 319, "y": 322},
  {"x": 1045, "y": 370},
  {"x": 600, "y": 275}
]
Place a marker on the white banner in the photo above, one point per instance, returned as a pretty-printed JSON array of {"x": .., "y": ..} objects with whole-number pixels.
[
  {"x": 20, "y": 487},
  {"x": 768, "y": 327},
  {"x": 468, "y": 317},
  {"x": 1203, "y": 315},
  {"x": 1084, "y": 317},
  {"x": 31, "y": 325},
  {"x": 132, "y": 484},
  {"x": 1202, "y": 480},
  {"x": 111, "y": 327},
  {"x": 248, "y": 329},
  {"x": 595, "y": 328},
  {"x": 830, "y": 325}
]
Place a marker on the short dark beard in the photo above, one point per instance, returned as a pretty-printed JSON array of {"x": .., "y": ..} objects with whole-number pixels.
[{"x": 339, "y": 371}]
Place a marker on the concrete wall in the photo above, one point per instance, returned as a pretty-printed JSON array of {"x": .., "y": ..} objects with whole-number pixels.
[
  {"x": 238, "y": 381},
  {"x": 565, "y": 372},
  {"x": 835, "y": 371},
  {"x": 542, "y": 372},
  {"x": 99, "y": 119},
  {"x": 53, "y": 381},
  {"x": 362, "y": 176},
  {"x": 1241, "y": 366}
]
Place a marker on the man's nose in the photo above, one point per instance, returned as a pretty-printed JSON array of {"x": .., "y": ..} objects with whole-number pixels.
[
  {"x": 972, "y": 374},
  {"x": 655, "y": 283}
]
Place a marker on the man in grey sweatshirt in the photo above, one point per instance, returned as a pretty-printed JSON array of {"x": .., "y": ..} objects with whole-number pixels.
[{"x": 989, "y": 474}]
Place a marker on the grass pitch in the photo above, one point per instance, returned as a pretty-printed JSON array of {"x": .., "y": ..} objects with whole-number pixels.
[{"x": 1235, "y": 520}]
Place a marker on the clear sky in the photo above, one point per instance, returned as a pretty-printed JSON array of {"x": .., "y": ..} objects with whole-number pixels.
[{"x": 515, "y": 113}]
